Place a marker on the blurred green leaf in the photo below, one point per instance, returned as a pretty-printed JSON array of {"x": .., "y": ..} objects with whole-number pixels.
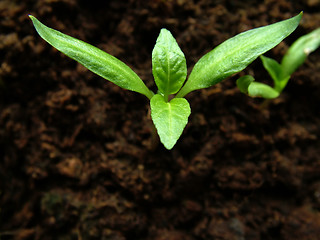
[
  {"x": 244, "y": 82},
  {"x": 257, "y": 89},
  {"x": 299, "y": 51}
]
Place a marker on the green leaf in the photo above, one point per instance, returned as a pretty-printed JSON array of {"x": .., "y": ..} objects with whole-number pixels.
[
  {"x": 93, "y": 58},
  {"x": 299, "y": 51},
  {"x": 237, "y": 53},
  {"x": 244, "y": 82},
  {"x": 273, "y": 67},
  {"x": 169, "y": 118},
  {"x": 276, "y": 72},
  {"x": 257, "y": 89},
  {"x": 169, "y": 65}
]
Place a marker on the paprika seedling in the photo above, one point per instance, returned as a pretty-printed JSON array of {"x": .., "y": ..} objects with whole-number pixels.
[
  {"x": 281, "y": 72},
  {"x": 169, "y": 109}
]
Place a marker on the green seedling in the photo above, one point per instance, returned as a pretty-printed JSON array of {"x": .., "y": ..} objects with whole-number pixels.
[
  {"x": 281, "y": 72},
  {"x": 169, "y": 109}
]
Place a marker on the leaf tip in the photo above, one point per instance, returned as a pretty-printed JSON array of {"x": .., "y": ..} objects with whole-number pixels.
[
  {"x": 300, "y": 15},
  {"x": 33, "y": 19}
]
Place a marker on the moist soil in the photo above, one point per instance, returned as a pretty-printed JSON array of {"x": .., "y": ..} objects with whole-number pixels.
[{"x": 78, "y": 159}]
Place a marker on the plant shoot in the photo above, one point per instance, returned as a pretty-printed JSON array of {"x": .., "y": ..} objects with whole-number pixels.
[
  {"x": 281, "y": 72},
  {"x": 170, "y": 112}
]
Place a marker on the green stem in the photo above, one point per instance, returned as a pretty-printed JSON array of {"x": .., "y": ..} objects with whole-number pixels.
[
  {"x": 182, "y": 93},
  {"x": 150, "y": 94}
]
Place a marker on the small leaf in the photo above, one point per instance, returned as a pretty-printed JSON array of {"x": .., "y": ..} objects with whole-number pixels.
[
  {"x": 244, "y": 82},
  {"x": 276, "y": 72},
  {"x": 93, "y": 58},
  {"x": 273, "y": 67},
  {"x": 169, "y": 118},
  {"x": 257, "y": 89},
  {"x": 299, "y": 51},
  {"x": 169, "y": 66},
  {"x": 237, "y": 53}
]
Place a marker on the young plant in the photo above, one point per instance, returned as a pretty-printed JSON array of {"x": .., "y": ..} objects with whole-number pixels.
[
  {"x": 281, "y": 73},
  {"x": 170, "y": 112}
]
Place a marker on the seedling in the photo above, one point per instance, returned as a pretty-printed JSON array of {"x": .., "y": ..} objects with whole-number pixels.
[
  {"x": 281, "y": 73},
  {"x": 170, "y": 112}
]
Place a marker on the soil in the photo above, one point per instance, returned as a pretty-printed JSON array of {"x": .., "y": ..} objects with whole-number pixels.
[{"x": 75, "y": 156}]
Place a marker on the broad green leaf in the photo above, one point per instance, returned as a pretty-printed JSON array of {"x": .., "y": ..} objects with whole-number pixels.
[
  {"x": 299, "y": 51},
  {"x": 276, "y": 72},
  {"x": 257, "y": 89},
  {"x": 169, "y": 118},
  {"x": 96, "y": 60},
  {"x": 244, "y": 82},
  {"x": 237, "y": 53},
  {"x": 169, "y": 66}
]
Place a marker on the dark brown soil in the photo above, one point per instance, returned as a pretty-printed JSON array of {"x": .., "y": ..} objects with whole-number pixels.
[{"x": 75, "y": 158}]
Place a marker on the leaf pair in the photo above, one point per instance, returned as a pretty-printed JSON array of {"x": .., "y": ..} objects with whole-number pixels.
[
  {"x": 247, "y": 85},
  {"x": 170, "y": 70},
  {"x": 281, "y": 73}
]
